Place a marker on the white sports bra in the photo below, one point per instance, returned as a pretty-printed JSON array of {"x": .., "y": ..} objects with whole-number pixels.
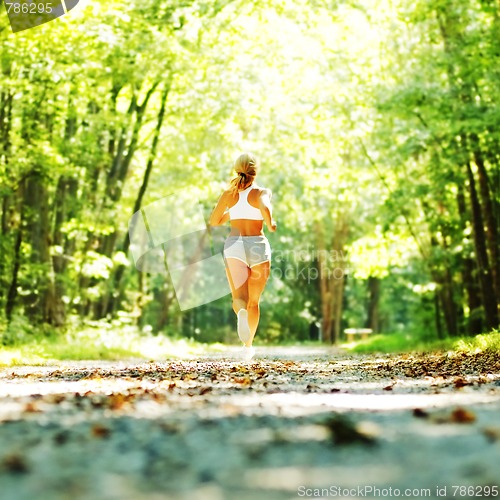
[{"x": 243, "y": 209}]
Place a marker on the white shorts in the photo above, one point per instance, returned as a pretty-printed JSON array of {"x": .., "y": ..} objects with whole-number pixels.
[{"x": 252, "y": 250}]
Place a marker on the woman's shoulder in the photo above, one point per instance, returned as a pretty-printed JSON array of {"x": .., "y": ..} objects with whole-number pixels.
[
  {"x": 259, "y": 194},
  {"x": 264, "y": 191},
  {"x": 228, "y": 193},
  {"x": 229, "y": 197},
  {"x": 261, "y": 189}
]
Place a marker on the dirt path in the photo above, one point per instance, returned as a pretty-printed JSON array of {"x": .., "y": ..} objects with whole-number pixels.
[{"x": 293, "y": 423}]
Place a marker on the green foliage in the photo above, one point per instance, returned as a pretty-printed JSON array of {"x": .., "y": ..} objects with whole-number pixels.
[
  {"x": 19, "y": 331},
  {"x": 22, "y": 344},
  {"x": 365, "y": 118},
  {"x": 404, "y": 342}
]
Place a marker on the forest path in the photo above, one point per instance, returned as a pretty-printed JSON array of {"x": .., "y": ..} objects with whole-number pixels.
[{"x": 290, "y": 422}]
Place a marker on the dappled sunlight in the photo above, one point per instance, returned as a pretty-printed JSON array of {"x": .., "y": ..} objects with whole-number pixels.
[
  {"x": 302, "y": 404},
  {"x": 291, "y": 478},
  {"x": 16, "y": 356},
  {"x": 105, "y": 343}
]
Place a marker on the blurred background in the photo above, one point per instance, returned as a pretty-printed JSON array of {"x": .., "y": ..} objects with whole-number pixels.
[{"x": 377, "y": 125}]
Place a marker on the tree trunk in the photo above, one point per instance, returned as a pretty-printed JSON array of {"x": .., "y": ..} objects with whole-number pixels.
[
  {"x": 12, "y": 292},
  {"x": 125, "y": 153},
  {"x": 58, "y": 259},
  {"x": 448, "y": 291},
  {"x": 372, "y": 320},
  {"x": 490, "y": 210},
  {"x": 452, "y": 35},
  {"x": 474, "y": 320},
  {"x": 325, "y": 292},
  {"x": 115, "y": 298},
  {"x": 445, "y": 293},
  {"x": 331, "y": 280},
  {"x": 485, "y": 278},
  {"x": 338, "y": 306},
  {"x": 5, "y": 125},
  {"x": 116, "y": 179},
  {"x": 437, "y": 311},
  {"x": 41, "y": 303}
]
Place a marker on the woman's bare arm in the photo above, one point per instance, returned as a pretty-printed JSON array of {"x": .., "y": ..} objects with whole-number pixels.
[
  {"x": 267, "y": 210},
  {"x": 220, "y": 215},
  {"x": 225, "y": 218}
]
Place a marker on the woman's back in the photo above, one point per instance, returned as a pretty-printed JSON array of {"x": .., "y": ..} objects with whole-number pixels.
[{"x": 244, "y": 211}]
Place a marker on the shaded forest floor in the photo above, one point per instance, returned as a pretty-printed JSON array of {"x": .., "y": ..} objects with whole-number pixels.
[{"x": 282, "y": 426}]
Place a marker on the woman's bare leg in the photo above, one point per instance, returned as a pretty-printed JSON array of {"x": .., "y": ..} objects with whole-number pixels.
[
  {"x": 237, "y": 275},
  {"x": 257, "y": 280}
]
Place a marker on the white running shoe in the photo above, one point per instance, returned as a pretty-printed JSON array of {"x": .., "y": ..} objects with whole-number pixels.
[
  {"x": 248, "y": 353},
  {"x": 243, "y": 327}
]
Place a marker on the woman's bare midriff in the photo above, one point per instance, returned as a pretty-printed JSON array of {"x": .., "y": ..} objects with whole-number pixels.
[{"x": 246, "y": 227}]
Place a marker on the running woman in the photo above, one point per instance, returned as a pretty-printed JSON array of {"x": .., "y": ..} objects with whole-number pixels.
[{"x": 246, "y": 251}]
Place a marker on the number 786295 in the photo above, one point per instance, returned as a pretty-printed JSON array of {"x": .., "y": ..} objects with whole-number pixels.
[{"x": 28, "y": 8}]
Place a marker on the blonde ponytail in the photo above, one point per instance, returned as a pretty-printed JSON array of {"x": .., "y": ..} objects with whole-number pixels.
[{"x": 246, "y": 169}]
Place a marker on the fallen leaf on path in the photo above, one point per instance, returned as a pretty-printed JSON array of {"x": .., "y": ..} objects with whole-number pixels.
[
  {"x": 463, "y": 416},
  {"x": 117, "y": 401},
  {"x": 460, "y": 382},
  {"x": 31, "y": 408},
  {"x": 492, "y": 433},
  {"x": 61, "y": 437},
  {"x": 172, "y": 427},
  {"x": 158, "y": 397},
  {"x": 343, "y": 431},
  {"x": 100, "y": 431},
  {"x": 419, "y": 413},
  {"x": 55, "y": 398},
  {"x": 15, "y": 462},
  {"x": 457, "y": 416},
  {"x": 242, "y": 380}
]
